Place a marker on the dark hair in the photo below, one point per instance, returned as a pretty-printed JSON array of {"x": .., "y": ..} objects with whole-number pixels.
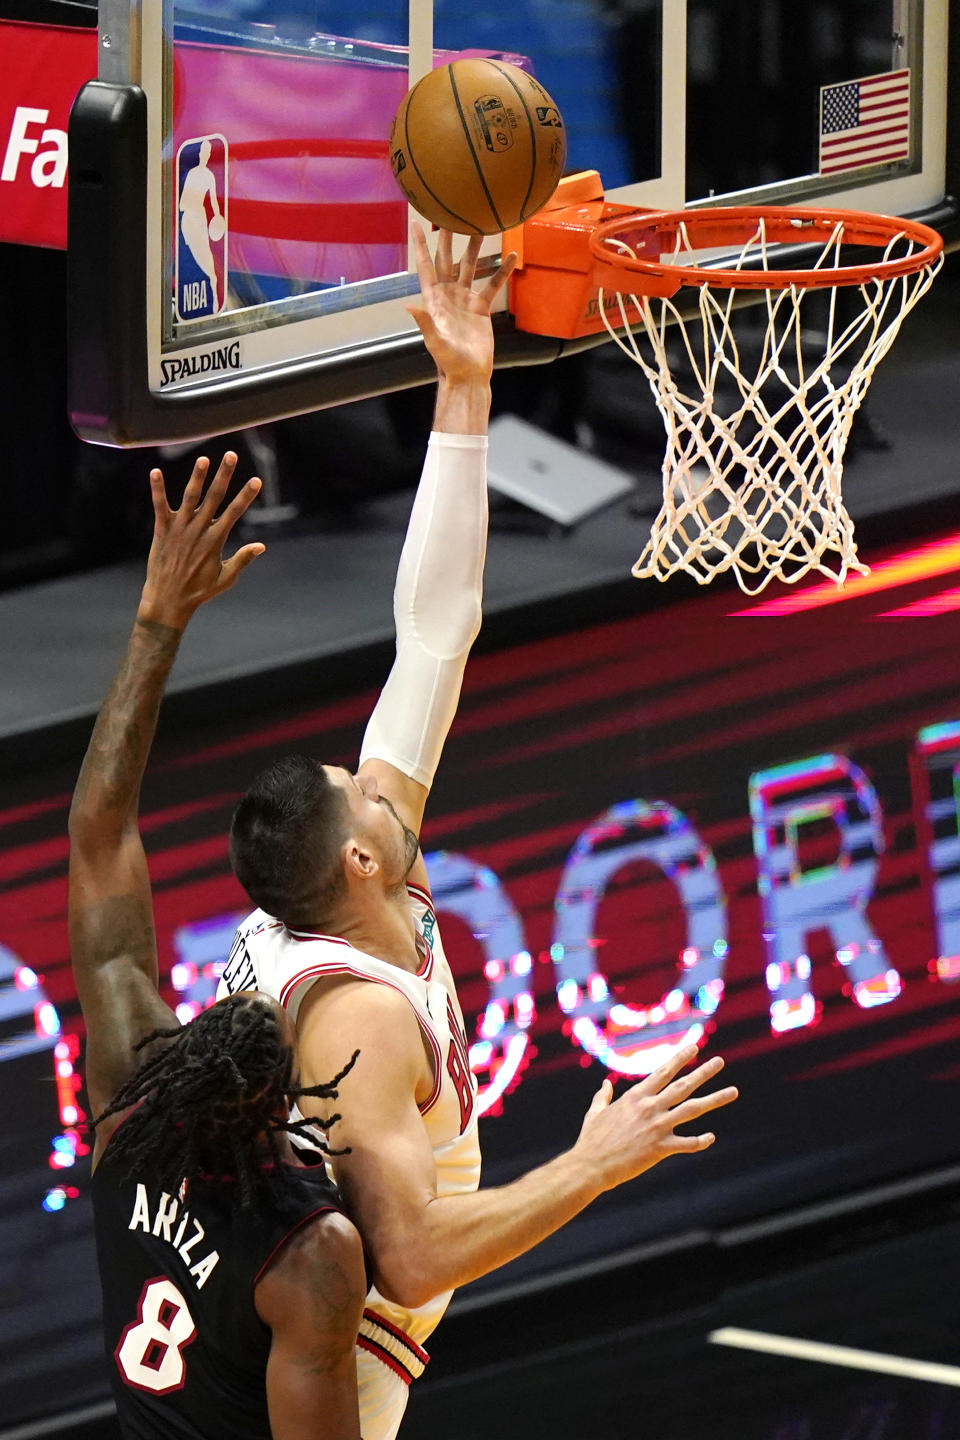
[
  {"x": 206, "y": 1101},
  {"x": 285, "y": 841}
]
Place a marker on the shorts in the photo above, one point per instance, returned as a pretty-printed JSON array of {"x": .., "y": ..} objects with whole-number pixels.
[{"x": 383, "y": 1398}]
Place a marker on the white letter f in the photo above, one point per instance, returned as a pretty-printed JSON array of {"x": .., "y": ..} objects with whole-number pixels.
[{"x": 19, "y": 144}]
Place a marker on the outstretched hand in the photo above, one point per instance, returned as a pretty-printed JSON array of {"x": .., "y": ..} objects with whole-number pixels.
[
  {"x": 454, "y": 318},
  {"x": 186, "y": 567},
  {"x": 621, "y": 1138}
]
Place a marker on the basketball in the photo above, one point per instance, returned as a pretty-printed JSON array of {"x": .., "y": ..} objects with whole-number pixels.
[
  {"x": 216, "y": 228},
  {"x": 478, "y": 146}
]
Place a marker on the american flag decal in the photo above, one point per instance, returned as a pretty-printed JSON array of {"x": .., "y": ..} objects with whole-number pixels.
[{"x": 865, "y": 122}]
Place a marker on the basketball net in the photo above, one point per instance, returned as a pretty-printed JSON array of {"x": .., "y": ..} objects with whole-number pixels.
[{"x": 754, "y": 461}]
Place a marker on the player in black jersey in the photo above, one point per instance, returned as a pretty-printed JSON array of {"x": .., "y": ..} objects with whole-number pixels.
[{"x": 233, "y": 1284}]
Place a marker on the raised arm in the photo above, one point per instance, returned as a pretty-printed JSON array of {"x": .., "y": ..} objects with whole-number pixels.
[
  {"x": 112, "y": 938},
  {"x": 437, "y": 599}
]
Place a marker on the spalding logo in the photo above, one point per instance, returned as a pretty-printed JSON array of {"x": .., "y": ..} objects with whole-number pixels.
[
  {"x": 225, "y": 357},
  {"x": 399, "y": 161}
]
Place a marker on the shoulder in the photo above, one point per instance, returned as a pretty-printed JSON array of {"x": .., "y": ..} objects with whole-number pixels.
[
  {"x": 324, "y": 1240},
  {"x": 341, "y": 1015},
  {"x": 317, "y": 1280},
  {"x": 363, "y": 1000},
  {"x": 368, "y": 1013}
]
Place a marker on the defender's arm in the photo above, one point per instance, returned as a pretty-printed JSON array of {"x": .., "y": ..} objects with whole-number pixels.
[
  {"x": 112, "y": 939},
  {"x": 312, "y": 1298}
]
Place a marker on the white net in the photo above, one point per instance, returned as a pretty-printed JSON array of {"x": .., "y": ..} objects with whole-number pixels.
[{"x": 757, "y": 425}]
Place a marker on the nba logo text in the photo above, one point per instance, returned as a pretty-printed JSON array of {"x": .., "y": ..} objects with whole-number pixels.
[{"x": 200, "y": 235}]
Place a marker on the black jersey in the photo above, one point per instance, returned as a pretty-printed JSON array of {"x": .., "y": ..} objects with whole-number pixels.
[{"x": 186, "y": 1348}]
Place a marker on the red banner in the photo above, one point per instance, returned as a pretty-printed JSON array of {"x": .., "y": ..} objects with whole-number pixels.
[{"x": 43, "y": 68}]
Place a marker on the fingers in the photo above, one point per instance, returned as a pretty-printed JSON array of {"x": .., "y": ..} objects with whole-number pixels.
[
  {"x": 237, "y": 507},
  {"x": 693, "y": 1109},
  {"x": 441, "y": 267},
  {"x": 158, "y": 494},
  {"x": 424, "y": 322},
  {"x": 191, "y": 495},
  {"x": 661, "y": 1077},
  {"x": 425, "y": 270},
  {"x": 217, "y": 488},
  {"x": 498, "y": 280},
  {"x": 202, "y": 507},
  {"x": 685, "y": 1085},
  {"x": 689, "y": 1144},
  {"x": 467, "y": 268},
  {"x": 444, "y": 258},
  {"x": 231, "y": 568},
  {"x": 442, "y": 270},
  {"x": 602, "y": 1098}
]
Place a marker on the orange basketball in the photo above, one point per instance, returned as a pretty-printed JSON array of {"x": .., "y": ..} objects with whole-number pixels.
[{"x": 478, "y": 146}]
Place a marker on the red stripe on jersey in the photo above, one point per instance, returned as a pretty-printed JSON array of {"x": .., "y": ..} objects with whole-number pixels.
[
  {"x": 420, "y": 895},
  {"x": 426, "y": 969},
  {"x": 311, "y": 935},
  {"x": 424, "y": 898}
]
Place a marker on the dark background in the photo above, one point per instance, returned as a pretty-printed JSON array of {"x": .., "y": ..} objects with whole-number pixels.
[
  {"x": 587, "y": 690},
  {"x": 680, "y": 704}
]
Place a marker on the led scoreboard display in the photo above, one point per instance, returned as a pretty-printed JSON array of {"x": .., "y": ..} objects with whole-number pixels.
[{"x": 742, "y": 829}]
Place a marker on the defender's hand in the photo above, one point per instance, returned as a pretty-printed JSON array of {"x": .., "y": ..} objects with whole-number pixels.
[
  {"x": 186, "y": 565},
  {"x": 453, "y": 317},
  {"x": 621, "y": 1138}
]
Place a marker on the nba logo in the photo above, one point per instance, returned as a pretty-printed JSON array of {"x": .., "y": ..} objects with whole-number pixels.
[{"x": 200, "y": 243}]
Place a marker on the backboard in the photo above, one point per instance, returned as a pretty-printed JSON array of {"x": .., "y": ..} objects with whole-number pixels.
[
  {"x": 843, "y": 105},
  {"x": 238, "y": 246}
]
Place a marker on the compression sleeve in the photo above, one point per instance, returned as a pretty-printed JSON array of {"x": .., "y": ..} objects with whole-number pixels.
[{"x": 436, "y": 606}]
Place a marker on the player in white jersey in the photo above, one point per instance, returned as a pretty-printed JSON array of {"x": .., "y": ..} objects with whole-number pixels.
[
  {"x": 345, "y": 934},
  {"x": 287, "y": 963}
]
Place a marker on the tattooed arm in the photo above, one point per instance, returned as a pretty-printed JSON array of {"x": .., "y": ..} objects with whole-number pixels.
[
  {"x": 112, "y": 938},
  {"x": 311, "y": 1298}
]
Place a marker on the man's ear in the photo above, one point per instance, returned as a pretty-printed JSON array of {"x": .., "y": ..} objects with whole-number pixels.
[{"x": 358, "y": 861}]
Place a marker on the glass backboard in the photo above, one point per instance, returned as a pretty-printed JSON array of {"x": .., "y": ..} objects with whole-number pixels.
[{"x": 238, "y": 244}]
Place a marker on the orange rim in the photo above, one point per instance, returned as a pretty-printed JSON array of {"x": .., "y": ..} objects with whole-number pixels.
[{"x": 735, "y": 225}]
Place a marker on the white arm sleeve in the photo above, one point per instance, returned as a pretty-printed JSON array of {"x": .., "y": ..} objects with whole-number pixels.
[{"x": 437, "y": 608}]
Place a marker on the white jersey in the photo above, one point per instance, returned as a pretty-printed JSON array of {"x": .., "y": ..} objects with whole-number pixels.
[{"x": 284, "y": 964}]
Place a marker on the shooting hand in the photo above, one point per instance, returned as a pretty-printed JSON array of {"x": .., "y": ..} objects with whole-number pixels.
[{"x": 454, "y": 318}]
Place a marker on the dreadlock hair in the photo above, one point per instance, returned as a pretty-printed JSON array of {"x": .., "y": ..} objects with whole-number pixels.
[
  {"x": 207, "y": 1100},
  {"x": 285, "y": 841}
]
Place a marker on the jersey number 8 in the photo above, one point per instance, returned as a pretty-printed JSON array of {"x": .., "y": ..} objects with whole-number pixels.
[{"x": 149, "y": 1354}]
